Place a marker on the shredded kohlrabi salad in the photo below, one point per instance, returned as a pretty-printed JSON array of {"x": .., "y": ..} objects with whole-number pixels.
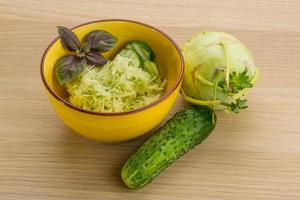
[{"x": 123, "y": 84}]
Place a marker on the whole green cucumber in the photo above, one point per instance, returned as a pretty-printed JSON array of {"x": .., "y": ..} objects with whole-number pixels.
[{"x": 181, "y": 133}]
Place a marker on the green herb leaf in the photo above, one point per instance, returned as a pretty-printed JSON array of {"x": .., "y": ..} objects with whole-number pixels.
[
  {"x": 237, "y": 82},
  {"x": 100, "y": 40},
  {"x": 236, "y": 106},
  {"x": 68, "y": 68},
  {"x": 94, "y": 58},
  {"x": 68, "y": 39}
]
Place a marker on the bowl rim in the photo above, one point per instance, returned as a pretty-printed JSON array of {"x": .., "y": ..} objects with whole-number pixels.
[{"x": 161, "y": 99}]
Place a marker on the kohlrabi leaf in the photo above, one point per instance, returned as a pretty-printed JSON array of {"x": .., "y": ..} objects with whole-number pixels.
[
  {"x": 68, "y": 39},
  {"x": 100, "y": 40},
  {"x": 68, "y": 68}
]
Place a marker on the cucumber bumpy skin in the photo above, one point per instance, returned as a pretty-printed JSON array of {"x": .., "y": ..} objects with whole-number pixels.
[{"x": 181, "y": 133}]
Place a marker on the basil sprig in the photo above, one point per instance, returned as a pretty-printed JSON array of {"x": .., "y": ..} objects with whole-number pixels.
[{"x": 86, "y": 52}]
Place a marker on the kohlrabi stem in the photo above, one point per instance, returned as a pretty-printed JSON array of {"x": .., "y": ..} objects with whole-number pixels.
[
  {"x": 197, "y": 101},
  {"x": 228, "y": 62},
  {"x": 217, "y": 80},
  {"x": 215, "y": 96}
]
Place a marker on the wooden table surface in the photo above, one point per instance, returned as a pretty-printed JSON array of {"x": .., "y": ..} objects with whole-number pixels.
[{"x": 252, "y": 155}]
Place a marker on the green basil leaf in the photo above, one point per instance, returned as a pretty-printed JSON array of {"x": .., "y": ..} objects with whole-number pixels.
[
  {"x": 68, "y": 68},
  {"x": 100, "y": 40},
  {"x": 68, "y": 39},
  {"x": 94, "y": 58}
]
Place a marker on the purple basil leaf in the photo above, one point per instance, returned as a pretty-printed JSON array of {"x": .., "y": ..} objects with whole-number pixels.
[
  {"x": 94, "y": 58},
  {"x": 83, "y": 50},
  {"x": 68, "y": 39},
  {"x": 100, "y": 40},
  {"x": 68, "y": 68}
]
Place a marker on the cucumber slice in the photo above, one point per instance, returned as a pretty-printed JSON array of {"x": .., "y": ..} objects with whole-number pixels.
[
  {"x": 142, "y": 49},
  {"x": 151, "y": 68},
  {"x": 135, "y": 61}
]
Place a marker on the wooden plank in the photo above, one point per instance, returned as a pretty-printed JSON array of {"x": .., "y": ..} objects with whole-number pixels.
[{"x": 252, "y": 155}]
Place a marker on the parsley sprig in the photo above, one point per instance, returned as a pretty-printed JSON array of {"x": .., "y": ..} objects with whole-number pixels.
[
  {"x": 237, "y": 83},
  {"x": 237, "y": 105}
]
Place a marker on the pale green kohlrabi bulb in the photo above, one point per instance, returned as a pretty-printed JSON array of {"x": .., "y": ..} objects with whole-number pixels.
[{"x": 219, "y": 71}]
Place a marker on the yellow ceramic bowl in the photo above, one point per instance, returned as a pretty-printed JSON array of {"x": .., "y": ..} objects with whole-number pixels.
[{"x": 123, "y": 126}]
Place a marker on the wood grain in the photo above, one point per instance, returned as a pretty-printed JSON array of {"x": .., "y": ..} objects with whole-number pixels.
[{"x": 253, "y": 155}]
